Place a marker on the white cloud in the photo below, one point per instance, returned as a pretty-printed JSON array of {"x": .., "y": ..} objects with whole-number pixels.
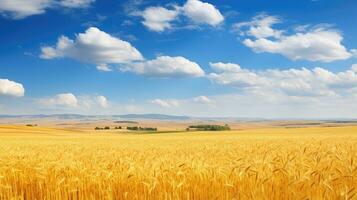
[
  {"x": 75, "y": 103},
  {"x": 99, "y": 48},
  {"x": 19, "y": 9},
  {"x": 316, "y": 45},
  {"x": 202, "y": 99},
  {"x": 224, "y": 67},
  {"x": 291, "y": 82},
  {"x": 201, "y": 12},
  {"x": 354, "y": 52},
  {"x": 320, "y": 43},
  {"x": 165, "y": 103},
  {"x": 102, "y": 101},
  {"x": 11, "y": 88},
  {"x": 158, "y": 18},
  {"x": 259, "y": 27},
  {"x": 104, "y": 68},
  {"x": 232, "y": 74},
  {"x": 75, "y": 3},
  {"x": 175, "y": 103},
  {"x": 166, "y": 67},
  {"x": 63, "y": 99},
  {"x": 93, "y": 46},
  {"x": 354, "y": 67},
  {"x": 93, "y": 103}
]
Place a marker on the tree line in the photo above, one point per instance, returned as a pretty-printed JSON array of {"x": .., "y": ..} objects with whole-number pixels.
[
  {"x": 209, "y": 127},
  {"x": 132, "y": 128}
]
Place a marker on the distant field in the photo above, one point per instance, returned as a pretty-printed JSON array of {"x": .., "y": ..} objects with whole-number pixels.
[{"x": 274, "y": 163}]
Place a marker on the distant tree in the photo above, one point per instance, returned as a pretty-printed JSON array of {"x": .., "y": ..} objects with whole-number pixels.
[
  {"x": 138, "y": 128},
  {"x": 210, "y": 127},
  {"x": 132, "y": 128},
  {"x": 107, "y": 128}
]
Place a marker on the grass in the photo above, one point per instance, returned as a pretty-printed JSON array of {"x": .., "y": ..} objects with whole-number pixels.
[{"x": 303, "y": 163}]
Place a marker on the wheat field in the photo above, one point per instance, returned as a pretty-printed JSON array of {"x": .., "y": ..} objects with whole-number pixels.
[{"x": 275, "y": 163}]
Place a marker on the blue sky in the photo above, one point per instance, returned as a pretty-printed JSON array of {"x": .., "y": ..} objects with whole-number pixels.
[{"x": 237, "y": 58}]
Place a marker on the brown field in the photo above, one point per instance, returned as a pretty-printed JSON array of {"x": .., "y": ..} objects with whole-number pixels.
[{"x": 264, "y": 163}]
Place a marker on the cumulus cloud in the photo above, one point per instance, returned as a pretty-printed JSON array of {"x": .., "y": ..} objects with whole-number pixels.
[
  {"x": 316, "y": 45},
  {"x": 354, "y": 52},
  {"x": 74, "y": 102},
  {"x": 102, "y": 101},
  {"x": 320, "y": 43},
  {"x": 232, "y": 74},
  {"x": 225, "y": 67},
  {"x": 158, "y": 18},
  {"x": 354, "y": 67},
  {"x": 259, "y": 27},
  {"x": 11, "y": 88},
  {"x": 175, "y": 103},
  {"x": 202, "y": 12},
  {"x": 99, "y": 48},
  {"x": 165, "y": 103},
  {"x": 104, "y": 68},
  {"x": 292, "y": 82},
  {"x": 63, "y": 99},
  {"x": 93, "y": 46},
  {"x": 202, "y": 99},
  {"x": 19, "y": 9},
  {"x": 271, "y": 93},
  {"x": 166, "y": 67},
  {"x": 75, "y": 3}
]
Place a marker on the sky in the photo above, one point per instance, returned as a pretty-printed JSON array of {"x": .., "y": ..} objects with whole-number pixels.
[{"x": 231, "y": 58}]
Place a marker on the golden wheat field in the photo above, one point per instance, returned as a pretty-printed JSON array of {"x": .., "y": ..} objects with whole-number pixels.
[{"x": 275, "y": 163}]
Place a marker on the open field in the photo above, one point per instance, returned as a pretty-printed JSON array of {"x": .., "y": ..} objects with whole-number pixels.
[{"x": 265, "y": 163}]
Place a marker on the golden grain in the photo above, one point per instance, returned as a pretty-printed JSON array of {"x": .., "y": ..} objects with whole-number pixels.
[{"x": 306, "y": 163}]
